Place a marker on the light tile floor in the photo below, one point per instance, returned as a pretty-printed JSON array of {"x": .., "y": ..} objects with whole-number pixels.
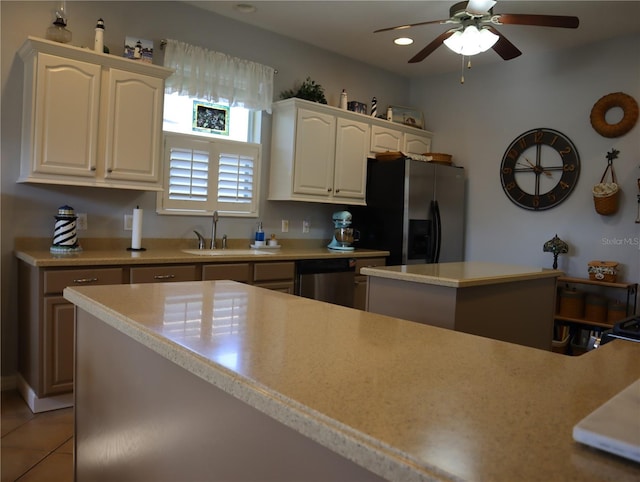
[{"x": 35, "y": 447}]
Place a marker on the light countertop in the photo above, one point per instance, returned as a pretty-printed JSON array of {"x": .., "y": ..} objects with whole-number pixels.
[
  {"x": 462, "y": 274},
  {"x": 405, "y": 400},
  {"x": 170, "y": 255}
]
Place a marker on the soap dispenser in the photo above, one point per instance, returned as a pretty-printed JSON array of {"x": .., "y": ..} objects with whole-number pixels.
[{"x": 259, "y": 241}]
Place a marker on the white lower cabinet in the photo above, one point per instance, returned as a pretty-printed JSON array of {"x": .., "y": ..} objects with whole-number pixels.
[{"x": 90, "y": 119}]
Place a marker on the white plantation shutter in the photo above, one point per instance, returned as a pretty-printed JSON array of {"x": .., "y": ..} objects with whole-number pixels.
[
  {"x": 235, "y": 178},
  {"x": 188, "y": 174},
  {"x": 202, "y": 176}
]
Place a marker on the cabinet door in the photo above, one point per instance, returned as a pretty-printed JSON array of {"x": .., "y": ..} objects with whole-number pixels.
[
  {"x": 231, "y": 271},
  {"x": 57, "y": 346},
  {"x": 281, "y": 286},
  {"x": 133, "y": 127},
  {"x": 352, "y": 146},
  {"x": 164, "y": 274},
  {"x": 314, "y": 153},
  {"x": 416, "y": 144},
  {"x": 384, "y": 139},
  {"x": 67, "y": 104}
]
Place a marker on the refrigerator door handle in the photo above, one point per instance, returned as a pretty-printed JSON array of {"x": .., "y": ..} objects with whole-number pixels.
[
  {"x": 438, "y": 227},
  {"x": 433, "y": 235}
]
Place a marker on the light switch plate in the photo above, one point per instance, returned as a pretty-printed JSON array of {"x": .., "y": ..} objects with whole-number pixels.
[
  {"x": 285, "y": 226},
  {"x": 81, "y": 222},
  {"x": 128, "y": 222},
  {"x": 306, "y": 225}
]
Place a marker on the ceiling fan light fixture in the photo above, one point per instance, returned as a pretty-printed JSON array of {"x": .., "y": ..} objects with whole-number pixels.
[
  {"x": 471, "y": 41},
  {"x": 403, "y": 41}
]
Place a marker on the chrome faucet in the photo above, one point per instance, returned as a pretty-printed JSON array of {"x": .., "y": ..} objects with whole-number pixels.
[
  {"x": 214, "y": 228},
  {"x": 200, "y": 240}
]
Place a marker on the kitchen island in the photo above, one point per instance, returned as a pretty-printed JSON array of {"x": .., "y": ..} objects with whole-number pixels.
[
  {"x": 501, "y": 301},
  {"x": 224, "y": 381}
]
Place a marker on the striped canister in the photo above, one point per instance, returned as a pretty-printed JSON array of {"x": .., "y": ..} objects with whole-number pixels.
[{"x": 65, "y": 238}]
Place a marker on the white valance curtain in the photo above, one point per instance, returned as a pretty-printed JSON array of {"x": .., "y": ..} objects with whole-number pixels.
[{"x": 217, "y": 77}]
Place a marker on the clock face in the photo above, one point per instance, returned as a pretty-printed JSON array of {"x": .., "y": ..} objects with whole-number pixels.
[{"x": 539, "y": 169}]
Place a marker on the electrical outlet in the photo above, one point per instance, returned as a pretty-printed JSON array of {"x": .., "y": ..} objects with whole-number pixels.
[
  {"x": 128, "y": 222},
  {"x": 81, "y": 222},
  {"x": 285, "y": 226},
  {"x": 306, "y": 224}
]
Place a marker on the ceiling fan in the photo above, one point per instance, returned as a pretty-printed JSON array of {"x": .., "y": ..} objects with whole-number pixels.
[{"x": 474, "y": 30}]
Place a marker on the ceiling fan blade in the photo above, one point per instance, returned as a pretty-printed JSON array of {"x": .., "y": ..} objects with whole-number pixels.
[
  {"x": 403, "y": 27},
  {"x": 428, "y": 50},
  {"x": 503, "y": 47},
  {"x": 479, "y": 7},
  {"x": 536, "y": 20}
]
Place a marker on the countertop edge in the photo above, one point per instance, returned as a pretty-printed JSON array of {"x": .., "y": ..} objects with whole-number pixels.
[
  {"x": 354, "y": 445},
  {"x": 42, "y": 259},
  {"x": 457, "y": 283}
]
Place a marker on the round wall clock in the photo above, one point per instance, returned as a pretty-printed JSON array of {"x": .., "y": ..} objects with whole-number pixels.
[{"x": 539, "y": 169}]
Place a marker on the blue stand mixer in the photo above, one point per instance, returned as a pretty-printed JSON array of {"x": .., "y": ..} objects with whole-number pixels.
[{"x": 343, "y": 235}]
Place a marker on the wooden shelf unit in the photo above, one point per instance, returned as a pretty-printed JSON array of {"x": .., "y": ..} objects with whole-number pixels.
[
  {"x": 631, "y": 301},
  {"x": 575, "y": 325}
]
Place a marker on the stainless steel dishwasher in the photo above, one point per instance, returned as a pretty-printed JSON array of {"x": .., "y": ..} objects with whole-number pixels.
[{"x": 330, "y": 280}]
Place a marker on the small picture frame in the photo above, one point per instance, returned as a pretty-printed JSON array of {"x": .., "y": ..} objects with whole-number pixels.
[
  {"x": 210, "y": 118},
  {"x": 407, "y": 116},
  {"x": 138, "y": 49}
]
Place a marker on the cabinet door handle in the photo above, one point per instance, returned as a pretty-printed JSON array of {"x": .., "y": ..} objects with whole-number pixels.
[
  {"x": 93, "y": 168},
  {"x": 329, "y": 190},
  {"x": 337, "y": 190},
  {"x": 164, "y": 276},
  {"x": 109, "y": 170},
  {"x": 80, "y": 281}
]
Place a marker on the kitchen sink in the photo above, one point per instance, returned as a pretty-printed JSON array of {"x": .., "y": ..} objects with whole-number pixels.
[{"x": 227, "y": 252}]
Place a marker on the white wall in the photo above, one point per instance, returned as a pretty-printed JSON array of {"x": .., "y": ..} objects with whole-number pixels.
[
  {"x": 477, "y": 120},
  {"x": 28, "y": 210}
]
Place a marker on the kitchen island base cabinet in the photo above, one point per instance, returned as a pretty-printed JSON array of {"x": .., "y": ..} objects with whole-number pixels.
[
  {"x": 177, "y": 426},
  {"x": 517, "y": 312}
]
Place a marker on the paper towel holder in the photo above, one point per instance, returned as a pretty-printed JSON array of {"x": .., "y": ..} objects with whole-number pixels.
[{"x": 136, "y": 232}]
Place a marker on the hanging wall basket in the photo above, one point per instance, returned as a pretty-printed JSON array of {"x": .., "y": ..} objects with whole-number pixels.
[{"x": 606, "y": 194}]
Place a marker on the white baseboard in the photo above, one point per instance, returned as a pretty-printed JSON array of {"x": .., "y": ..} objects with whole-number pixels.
[{"x": 45, "y": 404}]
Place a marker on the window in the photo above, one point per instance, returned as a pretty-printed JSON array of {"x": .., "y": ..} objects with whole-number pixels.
[
  {"x": 202, "y": 175},
  {"x": 178, "y": 117}
]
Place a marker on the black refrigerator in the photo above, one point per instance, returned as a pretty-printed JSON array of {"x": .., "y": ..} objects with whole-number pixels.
[{"x": 415, "y": 210}]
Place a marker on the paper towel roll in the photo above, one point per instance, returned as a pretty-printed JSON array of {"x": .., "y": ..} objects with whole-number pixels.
[{"x": 136, "y": 229}]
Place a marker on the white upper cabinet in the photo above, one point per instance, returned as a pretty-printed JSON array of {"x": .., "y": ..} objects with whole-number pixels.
[
  {"x": 399, "y": 138},
  {"x": 385, "y": 139},
  {"x": 416, "y": 143},
  {"x": 90, "y": 119},
  {"x": 350, "y": 176},
  {"x": 318, "y": 154},
  {"x": 134, "y": 127}
]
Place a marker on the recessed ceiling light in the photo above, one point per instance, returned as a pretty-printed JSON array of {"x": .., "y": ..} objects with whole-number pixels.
[
  {"x": 244, "y": 8},
  {"x": 403, "y": 41}
]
